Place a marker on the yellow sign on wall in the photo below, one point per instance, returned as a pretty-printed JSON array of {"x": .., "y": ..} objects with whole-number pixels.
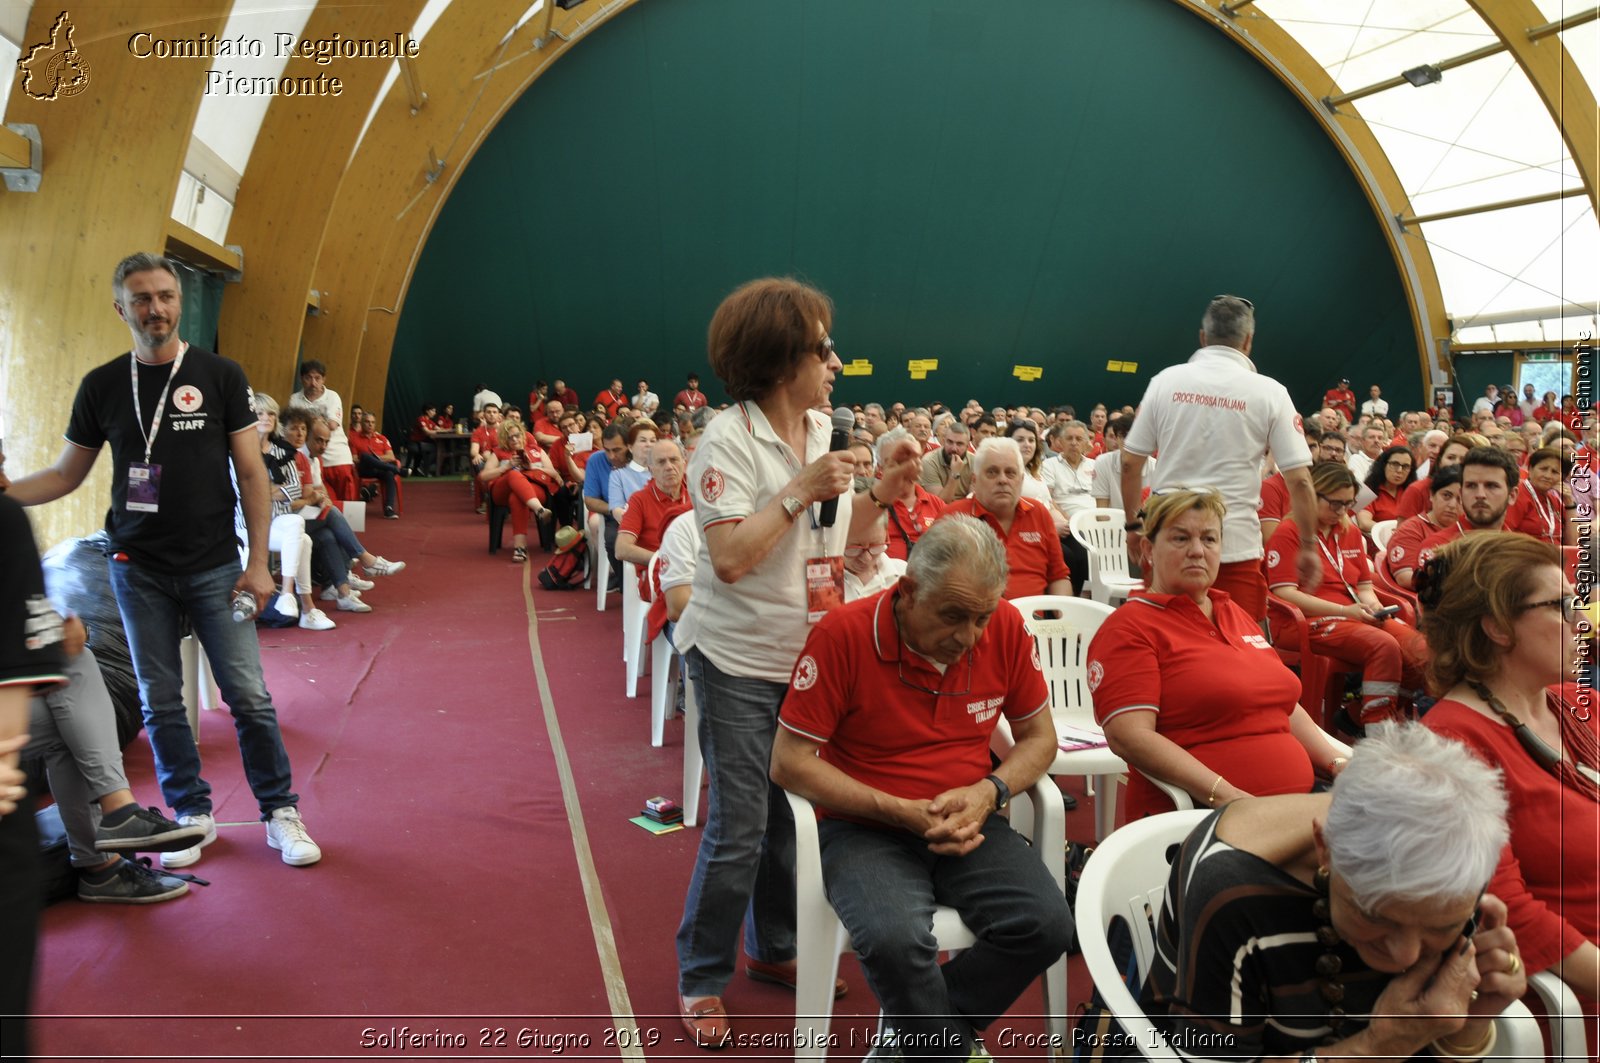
[
  {"x": 857, "y": 367},
  {"x": 921, "y": 367},
  {"x": 1122, "y": 367},
  {"x": 1027, "y": 372}
]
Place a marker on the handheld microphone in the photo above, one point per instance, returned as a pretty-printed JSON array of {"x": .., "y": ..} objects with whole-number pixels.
[{"x": 844, "y": 422}]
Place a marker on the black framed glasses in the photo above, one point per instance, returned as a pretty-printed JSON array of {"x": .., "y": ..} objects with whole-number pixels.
[
  {"x": 1240, "y": 298},
  {"x": 1339, "y": 505},
  {"x": 825, "y": 348},
  {"x": 900, "y": 669},
  {"x": 1569, "y": 604}
]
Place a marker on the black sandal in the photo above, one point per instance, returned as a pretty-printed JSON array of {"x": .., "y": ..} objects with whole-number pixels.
[{"x": 518, "y": 555}]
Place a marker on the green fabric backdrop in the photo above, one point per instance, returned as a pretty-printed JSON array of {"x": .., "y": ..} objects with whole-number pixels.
[{"x": 1041, "y": 183}]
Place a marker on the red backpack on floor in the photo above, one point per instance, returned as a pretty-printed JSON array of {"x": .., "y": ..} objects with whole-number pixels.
[{"x": 570, "y": 566}]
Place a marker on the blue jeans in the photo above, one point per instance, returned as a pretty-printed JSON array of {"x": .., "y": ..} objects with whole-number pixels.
[
  {"x": 153, "y": 607},
  {"x": 744, "y": 870},
  {"x": 373, "y": 469},
  {"x": 884, "y": 885}
]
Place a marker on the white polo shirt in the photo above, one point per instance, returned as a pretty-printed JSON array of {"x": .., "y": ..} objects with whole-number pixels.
[
  {"x": 1108, "y": 479},
  {"x": 1213, "y": 418},
  {"x": 756, "y": 627}
]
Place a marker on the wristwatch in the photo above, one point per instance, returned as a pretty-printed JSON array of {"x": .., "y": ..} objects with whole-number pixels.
[
  {"x": 1002, "y": 796},
  {"x": 792, "y": 506}
]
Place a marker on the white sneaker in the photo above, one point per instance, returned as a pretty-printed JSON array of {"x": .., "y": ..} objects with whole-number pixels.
[
  {"x": 385, "y": 567},
  {"x": 191, "y": 855},
  {"x": 353, "y": 603},
  {"x": 317, "y": 620},
  {"x": 286, "y": 605},
  {"x": 329, "y": 594},
  {"x": 358, "y": 584},
  {"x": 287, "y": 833}
]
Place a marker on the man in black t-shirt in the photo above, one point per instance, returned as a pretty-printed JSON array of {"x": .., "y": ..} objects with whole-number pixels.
[
  {"x": 30, "y": 658},
  {"x": 174, "y": 416}
]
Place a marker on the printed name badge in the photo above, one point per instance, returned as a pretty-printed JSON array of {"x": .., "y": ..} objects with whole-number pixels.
[
  {"x": 824, "y": 586},
  {"x": 144, "y": 487}
]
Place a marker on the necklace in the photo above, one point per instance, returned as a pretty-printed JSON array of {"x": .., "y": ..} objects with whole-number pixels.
[
  {"x": 1574, "y": 772},
  {"x": 1330, "y": 963}
]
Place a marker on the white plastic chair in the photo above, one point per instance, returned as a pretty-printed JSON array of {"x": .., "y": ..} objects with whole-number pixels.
[
  {"x": 821, "y": 938},
  {"x": 694, "y": 765},
  {"x": 634, "y": 608},
  {"x": 1381, "y": 532},
  {"x": 1569, "y": 1041},
  {"x": 1182, "y": 800},
  {"x": 663, "y": 669},
  {"x": 1063, "y": 644},
  {"x": 199, "y": 685},
  {"x": 1102, "y": 535},
  {"x": 1127, "y": 876},
  {"x": 599, "y": 563}
]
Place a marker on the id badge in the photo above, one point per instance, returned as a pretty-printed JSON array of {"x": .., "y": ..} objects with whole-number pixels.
[
  {"x": 824, "y": 586},
  {"x": 144, "y": 487}
]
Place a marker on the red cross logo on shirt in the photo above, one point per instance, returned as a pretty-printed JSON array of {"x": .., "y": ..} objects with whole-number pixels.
[{"x": 187, "y": 398}]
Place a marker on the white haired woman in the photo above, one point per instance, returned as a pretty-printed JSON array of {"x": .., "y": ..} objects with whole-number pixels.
[
  {"x": 1306, "y": 926},
  {"x": 1032, "y": 549}
]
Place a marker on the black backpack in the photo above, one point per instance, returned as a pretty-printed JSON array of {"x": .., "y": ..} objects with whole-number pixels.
[{"x": 568, "y": 568}]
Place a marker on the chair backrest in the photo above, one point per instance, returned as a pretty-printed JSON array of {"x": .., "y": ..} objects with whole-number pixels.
[
  {"x": 1061, "y": 627},
  {"x": 1102, "y": 535},
  {"x": 1127, "y": 877},
  {"x": 1381, "y": 531}
]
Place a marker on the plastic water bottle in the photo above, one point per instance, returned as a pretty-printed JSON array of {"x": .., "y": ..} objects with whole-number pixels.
[{"x": 244, "y": 606}]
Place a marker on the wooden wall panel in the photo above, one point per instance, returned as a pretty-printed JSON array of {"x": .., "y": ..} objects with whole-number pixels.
[
  {"x": 287, "y": 196},
  {"x": 112, "y": 156},
  {"x": 388, "y": 179}
]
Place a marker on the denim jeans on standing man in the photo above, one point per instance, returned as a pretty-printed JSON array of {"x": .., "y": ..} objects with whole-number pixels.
[
  {"x": 744, "y": 870},
  {"x": 153, "y": 606}
]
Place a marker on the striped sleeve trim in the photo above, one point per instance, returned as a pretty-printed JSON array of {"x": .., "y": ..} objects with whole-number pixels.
[
  {"x": 786, "y": 725},
  {"x": 1285, "y": 583},
  {"x": 43, "y": 679},
  {"x": 1114, "y": 713},
  {"x": 724, "y": 520},
  {"x": 1019, "y": 719}
]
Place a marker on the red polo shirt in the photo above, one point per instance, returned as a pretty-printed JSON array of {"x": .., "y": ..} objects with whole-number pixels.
[
  {"x": 1450, "y": 535},
  {"x": 1032, "y": 549},
  {"x": 1344, "y": 545},
  {"x": 908, "y": 524},
  {"x": 1407, "y": 540},
  {"x": 649, "y": 511},
  {"x": 1418, "y": 498},
  {"x": 1539, "y": 515},
  {"x": 610, "y": 402},
  {"x": 691, "y": 399},
  {"x": 848, "y": 694},
  {"x": 421, "y": 427},
  {"x": 487, "y": 439},
  {"x": 1274, "y": 498},
  {"x": 1216, "y": 688}
]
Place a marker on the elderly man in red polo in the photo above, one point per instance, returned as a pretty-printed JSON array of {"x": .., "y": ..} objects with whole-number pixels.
[
  {"x": 652, "y": 508},
  {"x": 1033, "y": 552}
]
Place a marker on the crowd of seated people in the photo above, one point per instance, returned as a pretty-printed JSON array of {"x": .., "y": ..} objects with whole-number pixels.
[{"x": 1166, "y": 659}]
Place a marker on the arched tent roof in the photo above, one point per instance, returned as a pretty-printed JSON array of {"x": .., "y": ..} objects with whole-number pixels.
[{"x": 1482, "y": 180}]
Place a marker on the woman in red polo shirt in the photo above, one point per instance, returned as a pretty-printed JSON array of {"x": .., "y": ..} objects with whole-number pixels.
[
  {"x": 1185, "y": 686},
  {"x": 1538, "y": 507},
  {"x": 1392, "y": 472},
  {"x": 1346, "y": 616},
  {"x": 520, "y": 469},
  {"x": 1505, "y": 626}
]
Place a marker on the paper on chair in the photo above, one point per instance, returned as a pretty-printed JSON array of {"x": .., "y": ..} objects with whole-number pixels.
[{"x": 1070, "y": 737}]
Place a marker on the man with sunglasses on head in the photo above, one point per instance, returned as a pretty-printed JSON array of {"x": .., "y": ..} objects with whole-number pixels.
[
  {"x": 886, "y": 728},
  {"x": 1213, "y": 418}
]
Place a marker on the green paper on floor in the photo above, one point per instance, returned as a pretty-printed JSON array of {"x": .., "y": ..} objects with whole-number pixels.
[{"x": 655, "y": 828}]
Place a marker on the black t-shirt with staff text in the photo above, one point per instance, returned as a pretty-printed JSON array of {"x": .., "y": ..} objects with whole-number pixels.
[{"x": 208, "y": 401}]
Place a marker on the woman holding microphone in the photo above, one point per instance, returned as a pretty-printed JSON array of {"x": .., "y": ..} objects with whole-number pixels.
[{"x": 769, "y": 567}]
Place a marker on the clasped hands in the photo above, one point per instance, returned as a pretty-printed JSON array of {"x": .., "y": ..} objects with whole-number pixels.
[{"x": 952, "y": 822}]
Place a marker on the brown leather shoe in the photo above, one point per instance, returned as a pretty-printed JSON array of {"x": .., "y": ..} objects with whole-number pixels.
[
  {"x": 784, "y": 974},
  {"x": 706, "y": 1021}
]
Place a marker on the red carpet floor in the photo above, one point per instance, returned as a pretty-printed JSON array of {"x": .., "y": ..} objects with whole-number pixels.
[{"x": 451, "y": 899}]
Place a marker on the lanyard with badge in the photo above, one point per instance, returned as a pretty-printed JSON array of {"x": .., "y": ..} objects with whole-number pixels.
[
  {"x": 1338, "y": 568},
  {"x": 144, "y": 478},
  {"x": 1546, "y": 510},
  {"x": 824, "y": 575}
]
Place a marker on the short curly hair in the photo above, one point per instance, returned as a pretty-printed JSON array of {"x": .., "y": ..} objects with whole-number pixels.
[{"x": 762, "y": 331}]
